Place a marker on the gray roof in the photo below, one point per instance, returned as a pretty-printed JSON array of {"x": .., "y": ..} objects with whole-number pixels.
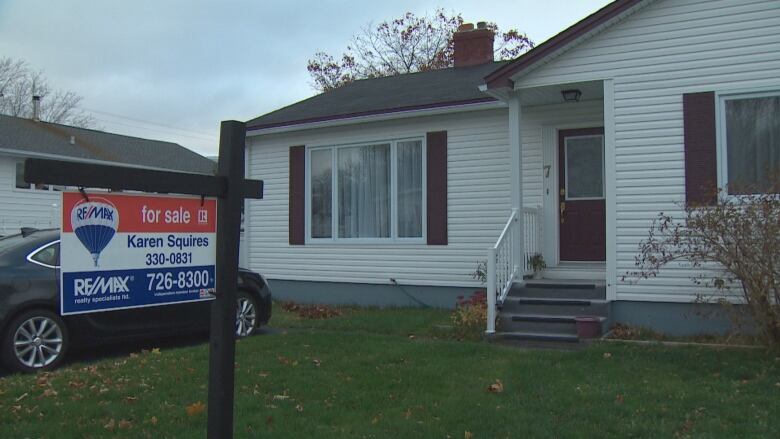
[
  {"x": 436, "y": 88},
  {"x": 25, "y": 135}
]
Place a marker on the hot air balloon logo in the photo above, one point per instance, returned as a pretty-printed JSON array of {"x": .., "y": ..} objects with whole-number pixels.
[{"x": 95, "y": 222}]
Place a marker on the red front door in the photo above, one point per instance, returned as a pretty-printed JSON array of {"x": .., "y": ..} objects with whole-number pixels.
[{"x": 581, "y": 195}]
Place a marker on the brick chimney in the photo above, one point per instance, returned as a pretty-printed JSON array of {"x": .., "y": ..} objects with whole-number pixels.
[{"x": 473, "y": 46}]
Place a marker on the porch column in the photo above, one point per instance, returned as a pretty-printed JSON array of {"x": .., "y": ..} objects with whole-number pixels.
[{"x": 516, "y": 176}]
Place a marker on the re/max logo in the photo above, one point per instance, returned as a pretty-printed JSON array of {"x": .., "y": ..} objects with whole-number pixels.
[
  {"x": 86, "y": 212},
  {"x": 101, "y": 285}
]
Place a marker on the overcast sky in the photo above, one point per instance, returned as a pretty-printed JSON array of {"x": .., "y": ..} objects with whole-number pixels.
[{"x": 173, "y": 69}]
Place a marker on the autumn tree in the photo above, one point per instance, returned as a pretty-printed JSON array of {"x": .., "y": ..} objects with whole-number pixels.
[
  {"x": 404, "y": 45},
  {"x": 19, "y": 82}
]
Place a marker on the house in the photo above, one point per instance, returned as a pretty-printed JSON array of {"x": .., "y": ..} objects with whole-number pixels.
[
  {"x": 26, "y": 205},
  {"x": 391, "y": 190}
]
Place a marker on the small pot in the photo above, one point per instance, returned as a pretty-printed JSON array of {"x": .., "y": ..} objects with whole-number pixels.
[
  {"x": 537, "y": 275},
  {"x": 588, "y": 326}
]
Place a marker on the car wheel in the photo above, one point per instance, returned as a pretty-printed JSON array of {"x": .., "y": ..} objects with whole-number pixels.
[
  {"x": 35, "y": 340},
  {"x": 246, "y": 314}
]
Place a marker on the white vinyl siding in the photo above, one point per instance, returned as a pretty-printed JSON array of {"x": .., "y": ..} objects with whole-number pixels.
[
  {"x": 669, "y": 48},
  {"x": 24, "y": 207},
  {"x": 478, "y": 205}
]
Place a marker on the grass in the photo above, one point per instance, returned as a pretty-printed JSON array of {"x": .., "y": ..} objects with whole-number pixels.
[{"x": 361, "y": 375}]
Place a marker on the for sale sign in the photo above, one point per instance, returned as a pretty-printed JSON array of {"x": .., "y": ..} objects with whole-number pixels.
[{"x": 122, "y": 251}]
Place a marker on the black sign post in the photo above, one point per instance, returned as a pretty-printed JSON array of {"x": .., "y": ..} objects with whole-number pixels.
[{"x": 231, "y": 188}]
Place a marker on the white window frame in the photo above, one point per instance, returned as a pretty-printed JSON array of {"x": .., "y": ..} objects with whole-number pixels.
[
  {"x": 720, "y": 129},
  {"x": 566, "y": 168},
  {"x": 394, "y": 238}
]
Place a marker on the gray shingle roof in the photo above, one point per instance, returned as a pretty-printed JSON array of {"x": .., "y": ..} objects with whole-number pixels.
[
  {"x": 431, "y": 89},
  {"x": 49, "y": 138}
]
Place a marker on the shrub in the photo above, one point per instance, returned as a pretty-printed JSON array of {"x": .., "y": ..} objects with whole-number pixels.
[
  {"x": 736, "y": 243},
  {"x": 470, "y": 316},
  {"x": 311, "y": 312}
]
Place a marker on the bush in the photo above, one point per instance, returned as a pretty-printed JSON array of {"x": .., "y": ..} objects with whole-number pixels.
[
  {"x": 311, "y": 312},
  {"x": 470, "y": 316},
  {"x": 736, "y": 243}
]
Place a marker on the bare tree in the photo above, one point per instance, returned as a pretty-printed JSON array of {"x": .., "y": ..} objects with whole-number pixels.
[
  {"x": 404, "y": 45},
  {"x": 736, "y": 245},
  {"x": 19, "y": 83}
]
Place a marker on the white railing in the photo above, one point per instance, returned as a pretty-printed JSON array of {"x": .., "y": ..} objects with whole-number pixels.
[
  {"x": 503, "y": 264},
  {"x": 502, "y": 268},
  {"x": 532, "y": 234}
]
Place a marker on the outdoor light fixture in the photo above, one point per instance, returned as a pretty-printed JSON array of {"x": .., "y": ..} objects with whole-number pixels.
[{"x": 571, "y": 95}]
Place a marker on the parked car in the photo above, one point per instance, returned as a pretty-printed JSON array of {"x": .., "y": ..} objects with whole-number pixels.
[{"x": 35, "y": 336}]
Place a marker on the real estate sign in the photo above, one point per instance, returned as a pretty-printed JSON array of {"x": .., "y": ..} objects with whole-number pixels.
[{"x": 122, "y": 251}]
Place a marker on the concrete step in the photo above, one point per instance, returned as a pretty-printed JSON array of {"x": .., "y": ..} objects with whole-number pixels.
[
  {"x": 554, "y": 306},
  {"x": 556, "y": 324},
  {"x": 566, "y": 273},
  {"x": 537, "y": 336},
  {"x": 559, "y": 291}
]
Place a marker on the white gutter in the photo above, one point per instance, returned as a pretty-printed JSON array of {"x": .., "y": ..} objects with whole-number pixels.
[
  {"x": 378, "y": 117},
  {"x": 41, "y": 155},
  {"x": 502, "y": 94}
]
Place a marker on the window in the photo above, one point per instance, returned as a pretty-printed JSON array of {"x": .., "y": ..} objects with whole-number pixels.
[
  {"x": 750, "y": 141},
  {"x": 47, "y": 256},
  {"x": 584, "y": 167},
  {"x": 21, "y": 184},
  {"x": 369, "y": 191}
]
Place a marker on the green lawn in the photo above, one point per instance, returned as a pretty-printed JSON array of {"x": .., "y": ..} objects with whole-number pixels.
[{"x": 390, "y": 374}]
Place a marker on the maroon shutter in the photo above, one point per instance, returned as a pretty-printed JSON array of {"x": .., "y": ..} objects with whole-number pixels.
[
  {"x": 297, "y": 215},
  {"x": 437, "y": 187},
  {"x": 701, "y": 172}
]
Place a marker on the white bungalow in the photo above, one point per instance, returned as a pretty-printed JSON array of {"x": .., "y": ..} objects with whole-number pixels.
[{"x": 391, "y": 190}]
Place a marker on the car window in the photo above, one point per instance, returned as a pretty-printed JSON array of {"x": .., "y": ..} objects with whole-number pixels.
[{"x": 48, "y": 256}]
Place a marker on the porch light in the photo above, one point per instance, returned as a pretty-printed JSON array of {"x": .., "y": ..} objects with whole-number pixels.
[{"x": 571, "y": 95}]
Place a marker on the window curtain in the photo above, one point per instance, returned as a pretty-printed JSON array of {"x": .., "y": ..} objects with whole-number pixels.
[
  {"x": 753, "y": 143},
  {"x": 364, "y": 192},
  {"x": 410, "y": 189}
]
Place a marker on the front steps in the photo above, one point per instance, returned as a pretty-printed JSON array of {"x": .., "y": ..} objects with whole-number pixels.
[{"x": 543, "y": 312}]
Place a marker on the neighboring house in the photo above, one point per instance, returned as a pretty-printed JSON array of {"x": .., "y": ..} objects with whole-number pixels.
[
  {"x": 571, "y": 149},
  {"x": 26, "y": 205}
]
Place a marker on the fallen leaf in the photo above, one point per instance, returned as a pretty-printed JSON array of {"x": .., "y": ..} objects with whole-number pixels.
[
  {"x": 156, "y": 351},
  {"x": 299, "y": 407},
  {"x": 195, "y": 408},
  {"x": 153, "y": 421},
  {"x": 24, "y": 395},
  {"x": 317, "y": 363},
  {"x": 607, "y": 355},
  {"x": 468, "y": 435},
  {"x": 496, "y": 387},
  {"x": 49, "y": 392},
  {"x": 619, "y": 399},
  {"x": 110, "y": 425},
  {"x": 124, "y": 424},
  {"x": 131, "y": 399}
]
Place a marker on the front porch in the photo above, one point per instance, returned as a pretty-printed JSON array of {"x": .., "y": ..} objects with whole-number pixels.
[{"x": 562, "y": 163}]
